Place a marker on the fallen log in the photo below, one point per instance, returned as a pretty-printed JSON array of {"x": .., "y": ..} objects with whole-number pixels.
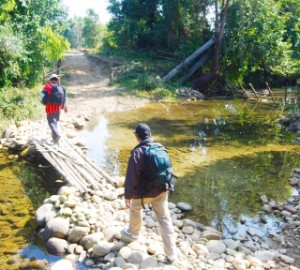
[
  {"x": 173, "y": 72},
  {"x": 254, "y": 91},
  {"x": 71, "y": 180},
  {"x": 87, "y": 177},
  {"x": 195, "y": 67},
  {"x": 72, "y": 164},
  {"x": 103, "y": 173}
]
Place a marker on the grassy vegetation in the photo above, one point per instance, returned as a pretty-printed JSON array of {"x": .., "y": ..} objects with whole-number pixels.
[
  {"x": 17, "y": 104},
  {"x": 142, "y": 73}
]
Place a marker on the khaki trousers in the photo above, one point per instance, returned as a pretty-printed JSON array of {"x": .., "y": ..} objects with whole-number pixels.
[{"x": 161, "y": 210}]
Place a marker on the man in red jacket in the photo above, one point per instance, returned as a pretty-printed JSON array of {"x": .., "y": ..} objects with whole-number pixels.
[{"x": 52, "y": 110}]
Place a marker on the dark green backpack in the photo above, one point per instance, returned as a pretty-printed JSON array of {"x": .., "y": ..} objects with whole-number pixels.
[{"x": 158, "y": 166}]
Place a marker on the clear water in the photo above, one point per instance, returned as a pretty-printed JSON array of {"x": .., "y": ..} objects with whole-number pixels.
[{"x": 225, "y": 153}]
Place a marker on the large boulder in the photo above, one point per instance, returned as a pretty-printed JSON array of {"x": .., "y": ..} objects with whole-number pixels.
[
  {"x": 90, "y": 240},
  {"x": 43, "y": 212},
  {"x": 215, "y": 246},
  {"x": 266, "y": 255},
  {"x": 57, "y": 227},
  {"x": 57, "y": 246},
  {"x": 102, "y": 248},
  {"x": 62, "y": 264},
  {"x": 77, "y": 233}
]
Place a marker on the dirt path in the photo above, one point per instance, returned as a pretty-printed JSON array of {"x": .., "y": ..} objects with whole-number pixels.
[{"x": 88, "y": 90}]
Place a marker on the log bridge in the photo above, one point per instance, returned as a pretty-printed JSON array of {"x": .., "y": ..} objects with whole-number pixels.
[{"x": 72, "y": 164}]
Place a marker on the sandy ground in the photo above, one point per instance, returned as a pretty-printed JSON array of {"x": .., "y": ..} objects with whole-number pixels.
[{"x": 88, "y": 87}]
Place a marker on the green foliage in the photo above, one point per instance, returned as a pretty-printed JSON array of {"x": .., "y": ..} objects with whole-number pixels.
[
  {"x": 86, "y": 31},
  {"x": 11, "y": 52},
  {"x": 6, "y": 6},
  {"x": 143, "y": 79},
  {"x": 148, "y": 82},
  {"x": 73, "y": 32},
  {"x": 53, "y": 45},
  {"x": 257, "y": 45},
  {"x": 260, "y": 41},
  {"x": 91, "y": 29},
  {"x": 170, "y": 25},
  {"x": 18, "y": 104},
  {"x": 29, "y": 39}
]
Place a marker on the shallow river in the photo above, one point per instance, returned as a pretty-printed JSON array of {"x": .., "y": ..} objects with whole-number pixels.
[{"x": 226, "y": 154}]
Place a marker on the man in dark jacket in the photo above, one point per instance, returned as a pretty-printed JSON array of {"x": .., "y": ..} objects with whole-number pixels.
[{"x": 135, "y": 196}]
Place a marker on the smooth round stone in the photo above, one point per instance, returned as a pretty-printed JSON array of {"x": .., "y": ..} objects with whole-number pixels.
[{"x": 184, "y": 206}]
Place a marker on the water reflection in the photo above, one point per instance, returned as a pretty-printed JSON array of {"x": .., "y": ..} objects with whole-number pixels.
[
  {"x": 233, "y": 187},
  {"x": 22, "y": 191},
  {"x": 225, "y": 154}
]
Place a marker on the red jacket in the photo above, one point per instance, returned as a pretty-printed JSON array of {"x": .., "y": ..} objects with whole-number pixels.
[{"x": 50, "y": 108}]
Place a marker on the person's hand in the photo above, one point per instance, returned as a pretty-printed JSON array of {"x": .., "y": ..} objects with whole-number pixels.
[
  {"x": 128, "y": 203},
  {"x": 65, "y": 109}
]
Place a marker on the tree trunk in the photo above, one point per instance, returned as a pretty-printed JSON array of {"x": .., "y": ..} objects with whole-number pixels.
[
  {"x": 219, "y": 30},
  {"x": 58, "y": 66}
]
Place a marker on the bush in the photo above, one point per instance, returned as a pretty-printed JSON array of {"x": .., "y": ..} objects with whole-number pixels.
[
  {"x": 18, "y": 104},
  {"x": 149, "y": 82}
]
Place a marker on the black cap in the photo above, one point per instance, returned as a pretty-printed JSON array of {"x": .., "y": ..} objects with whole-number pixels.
[{"x": 143, "y": 131}]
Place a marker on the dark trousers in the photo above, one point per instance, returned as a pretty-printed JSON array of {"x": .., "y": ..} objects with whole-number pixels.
[{"x": 53, "y": 118}]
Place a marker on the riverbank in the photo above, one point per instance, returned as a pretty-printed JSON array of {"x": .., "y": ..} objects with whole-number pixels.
[{"x": 85, "y": 228}]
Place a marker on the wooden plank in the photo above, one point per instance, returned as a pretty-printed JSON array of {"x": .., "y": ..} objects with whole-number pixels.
[
  {"x": 173, "y": 72},
  {"x": 72, "y": 164},
  {"x": 71, "y": 180},
  {"x": 243, "y": 89},
  {"x": 103, "y": 173},
  {"x": 195, "y": 67},
  {"x": 270, "y": 92},
  {"x": 254, "y": 91}
]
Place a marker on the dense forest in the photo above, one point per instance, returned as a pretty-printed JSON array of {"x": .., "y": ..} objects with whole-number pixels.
[{"x": 252, "y": 41}]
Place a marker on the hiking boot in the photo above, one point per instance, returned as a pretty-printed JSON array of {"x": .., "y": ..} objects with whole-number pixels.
[
  {"x": 56, "y": 140},
  {"x": 126, "y": 236},
  {"x": 126, "y": 230},
  {"x": 167, "y": 261}
]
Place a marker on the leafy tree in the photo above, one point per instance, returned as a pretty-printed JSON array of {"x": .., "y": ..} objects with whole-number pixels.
[
  {"x": 177, "y": 26},
  {"x": 255, "y": 41},
  {"x": 29, "y": 21},
  {"x": 91, "y": 29},
  {"x": 256, "y": 48},
  {"x": 73, "y": 32},
  {"x": 12, "y": 51},
  {"x": 291, "y": 9},
  {"x": 6, "y": 6},
  {"x": 53, "y": 46}
]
